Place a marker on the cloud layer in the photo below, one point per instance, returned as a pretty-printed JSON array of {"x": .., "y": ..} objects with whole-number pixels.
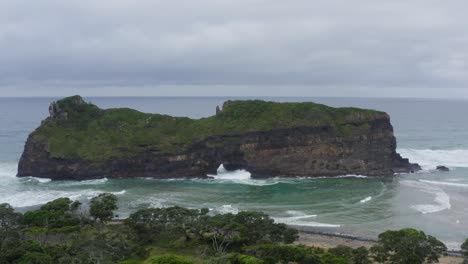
[{"x": 210, "y": 46}]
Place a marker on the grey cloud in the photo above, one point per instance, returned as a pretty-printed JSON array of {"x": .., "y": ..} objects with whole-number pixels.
[{"x": 366, "y": 47}]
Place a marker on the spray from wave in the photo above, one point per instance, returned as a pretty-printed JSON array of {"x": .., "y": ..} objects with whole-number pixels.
[
  {"x": 240, "y": 177},
  {"x": 429, "y": 159}
]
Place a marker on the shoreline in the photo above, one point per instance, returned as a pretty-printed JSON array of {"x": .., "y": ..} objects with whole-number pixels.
[{"x": 330, "y": 240}]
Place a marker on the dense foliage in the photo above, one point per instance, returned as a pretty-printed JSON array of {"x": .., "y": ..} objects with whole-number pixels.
[
  {"x": 408, "y": 246},
  {"x": 91, "y": 133},
  {"x": 61, "y": 231}
]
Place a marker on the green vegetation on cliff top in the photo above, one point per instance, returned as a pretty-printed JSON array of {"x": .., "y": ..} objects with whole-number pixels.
[{"x": 91, "y": 133}]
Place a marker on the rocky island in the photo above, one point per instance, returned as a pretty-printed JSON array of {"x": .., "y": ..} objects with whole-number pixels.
[{"x": 81, "y": 141}]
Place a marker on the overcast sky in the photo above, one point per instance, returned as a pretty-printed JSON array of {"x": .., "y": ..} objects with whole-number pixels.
[{"x": 397, "y": 48}]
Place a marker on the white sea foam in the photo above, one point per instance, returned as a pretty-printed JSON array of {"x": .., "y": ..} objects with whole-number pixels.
[
  {"x": 8, "y": 169},
  {"x": 441, "y": 200},
  {"x": 365, "y": 200},
  {"x": 302, "y": 222},
  {"x": 226, "y": 209},
  {"x": 300, "y": 218},
  {"x": 350, "y": 176},
  {"x": 85, "y": 182},
  {"x": 33, "y": 198},
  {"x": 463, "y": 185},
  {"x": 240, "y": 177},
  {"x": 34, "y": 179},
  {"x": 429, "y": 159}
]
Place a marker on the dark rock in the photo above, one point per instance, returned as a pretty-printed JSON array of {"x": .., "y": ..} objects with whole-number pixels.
[
  {"x": 289, "y": 152},
  {"x": 442, "y": 168}
]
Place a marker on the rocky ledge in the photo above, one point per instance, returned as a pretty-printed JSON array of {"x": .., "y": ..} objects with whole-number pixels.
[{"x": 81, "y": 141}]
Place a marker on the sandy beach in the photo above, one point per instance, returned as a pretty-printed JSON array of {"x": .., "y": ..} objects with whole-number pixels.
[{"x": 330, "y": 240}]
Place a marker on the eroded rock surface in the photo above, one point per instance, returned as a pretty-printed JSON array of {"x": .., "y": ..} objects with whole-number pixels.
[{"x": 355, "y": 143}]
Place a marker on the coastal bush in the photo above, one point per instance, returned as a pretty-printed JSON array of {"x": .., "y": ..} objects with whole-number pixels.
[
  {"x": 464, "y": 248},
  {"x": 347, "y": 254},
  {"x": 35, "y": 258},
  {"x": 56, "y": 214},
  {"x": 329, "y": 258},
  {"x": 103, "y": 206},
  {"x": 99, "y": 135},
  {"x": 173, "y": 221},
  {"x": 341, "y": 251},
  {"x": 172, "y": 259},
  {"x": 8, "y": 217},
  {"x": 408, "y": 246},
  {"x": 361, "y": 256},
  {"x": 220, "y": 231},
  {"x": 237, "y": 258},
  {"x": 272, "y": 254},
  {"x": 244, "y": 229},
  {"x": 56, "y": 234}
]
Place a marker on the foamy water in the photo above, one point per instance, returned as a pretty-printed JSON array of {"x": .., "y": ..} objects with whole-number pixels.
[
  {"x": 429, "y": 159},
  {"x": 441, "y": 198}
]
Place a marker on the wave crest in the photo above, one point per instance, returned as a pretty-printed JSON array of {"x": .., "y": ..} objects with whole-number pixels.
[{"x": 430, "y": 158}]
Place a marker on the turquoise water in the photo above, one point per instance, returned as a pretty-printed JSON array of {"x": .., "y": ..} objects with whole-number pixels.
[{"x": 429, "y": 132}]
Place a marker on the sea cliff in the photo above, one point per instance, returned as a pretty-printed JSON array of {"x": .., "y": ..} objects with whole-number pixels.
[{"x": 81, "y": 141}]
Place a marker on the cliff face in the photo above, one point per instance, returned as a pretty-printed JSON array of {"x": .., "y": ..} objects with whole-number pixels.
[{"x": 314, "y": 140}]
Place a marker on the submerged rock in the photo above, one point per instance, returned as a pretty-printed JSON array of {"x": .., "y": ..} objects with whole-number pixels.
[
  {"x": 266, "y": 138},
  {"x": 442, "y": 168}
]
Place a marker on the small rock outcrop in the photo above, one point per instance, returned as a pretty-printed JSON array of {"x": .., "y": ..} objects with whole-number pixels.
[
  {"x": 442, "y": 168},
  {"x": 56, "y": 113},
  {"x": 81, "y": 141}
]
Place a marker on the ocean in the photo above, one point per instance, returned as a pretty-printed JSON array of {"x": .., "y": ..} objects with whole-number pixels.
[{"x": 429, "y": 132}]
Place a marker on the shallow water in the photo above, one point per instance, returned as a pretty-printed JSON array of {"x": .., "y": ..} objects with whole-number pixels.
[{"x": 428, "y": 132}]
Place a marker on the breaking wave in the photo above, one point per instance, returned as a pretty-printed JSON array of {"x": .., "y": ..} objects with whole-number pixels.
[
  {"x": 35, "y": 198},
  {"x": 240, "y": 177},
  {"x": 226, "y": 209},
  {"x": 441, "y": 199},
  {"x": 463, "y": 185},
  {"x": 365, "y": 200},
  {"x": 429, "y": 159},
  {"x": 299, "y": 218}
]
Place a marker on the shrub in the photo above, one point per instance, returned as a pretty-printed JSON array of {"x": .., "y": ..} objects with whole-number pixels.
[
  {"x": 464, "y": 248},
  {"x": 283, "y": 253},
  {"x": 35, "y": 258},
  {"x": 103, "y": 206},
  {"x": 408, "y": 246},
  {"x": 56, "y": 214},
  {"x": 171, "y": 259},
  {"x": 243, "y": 259},
  {"x": 361, "y": 256},
  {"x": 8, "y": 217}
]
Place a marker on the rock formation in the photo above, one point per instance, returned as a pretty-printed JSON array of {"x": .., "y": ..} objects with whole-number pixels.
[
  {"x": 442, "y": 168},
  {"x": 80, "y": 141}
]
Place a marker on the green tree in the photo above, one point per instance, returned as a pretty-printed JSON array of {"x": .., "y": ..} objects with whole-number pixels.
[
  {"x": 408, "y": 246},
  {"x": 173, "y": 221},
  {"x": 277, "y": 253},
  {"x": 361, "y": 256},
  {"x": 464, "y": 248},
  {"x": 8, "y": 217},
  {"x": 11, "y": 246},
  {"x": 55, "y": 214},
  {"x": 258, "y": 227},
  {"x": 103, "y": 206},
  {"x": 35, "y": 258}
]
